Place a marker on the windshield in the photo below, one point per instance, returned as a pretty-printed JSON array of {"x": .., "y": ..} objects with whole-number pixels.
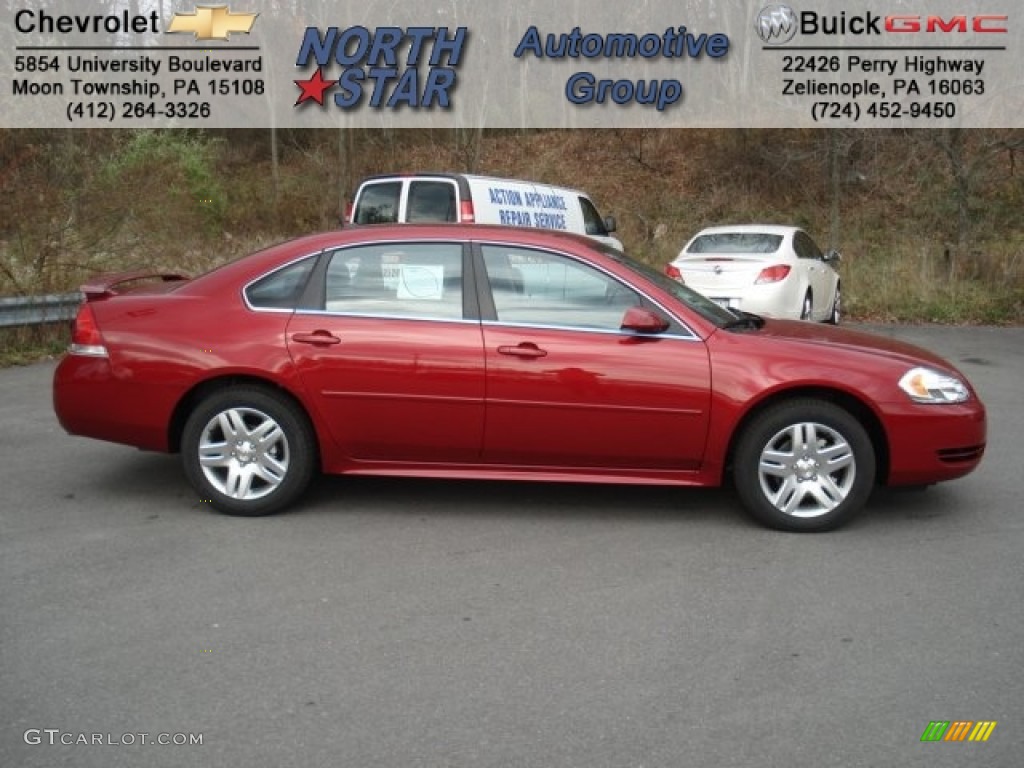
[{"x": 700, "y": 304}]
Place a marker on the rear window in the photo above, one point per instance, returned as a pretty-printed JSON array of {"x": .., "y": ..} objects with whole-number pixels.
[
  {"x": 431, "y": 201},
  {"x": 378, "y": 203},
  {"x": 736, "y": 242}
]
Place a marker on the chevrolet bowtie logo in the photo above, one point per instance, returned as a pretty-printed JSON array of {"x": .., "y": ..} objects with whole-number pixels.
[{"x": 212, "y": 22}]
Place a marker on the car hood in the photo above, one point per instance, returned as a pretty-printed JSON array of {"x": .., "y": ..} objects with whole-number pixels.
[{"x": 822, "y": 339}]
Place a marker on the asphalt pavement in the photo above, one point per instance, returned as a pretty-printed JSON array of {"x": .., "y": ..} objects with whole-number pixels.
[{"x": 425, "y": 624}]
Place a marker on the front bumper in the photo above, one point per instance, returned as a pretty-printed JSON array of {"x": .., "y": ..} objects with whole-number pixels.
[{"x": 933, "y": 443}]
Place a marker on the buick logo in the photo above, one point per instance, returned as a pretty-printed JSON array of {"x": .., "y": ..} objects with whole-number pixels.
[
  {"x": 718, "y": 269},
  {"x": 776, "y": 24}
]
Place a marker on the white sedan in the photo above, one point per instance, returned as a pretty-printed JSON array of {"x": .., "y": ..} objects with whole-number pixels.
[{"x": 767, "y": 270}]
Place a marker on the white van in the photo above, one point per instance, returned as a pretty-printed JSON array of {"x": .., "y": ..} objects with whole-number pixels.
[{"x": 459, "y": 197}]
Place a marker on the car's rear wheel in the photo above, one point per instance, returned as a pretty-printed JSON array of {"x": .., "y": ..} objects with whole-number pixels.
[
  {"x": 804, "y": 465},
  {"x": 837, "y": 307},
  {"x": 807, "y": 309},
  {"x": 248, "y": 451}
]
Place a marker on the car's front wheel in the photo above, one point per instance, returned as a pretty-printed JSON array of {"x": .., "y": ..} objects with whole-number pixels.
[
  {"x": 804, "y": 465},
  {"x": 248, "y": 451}
]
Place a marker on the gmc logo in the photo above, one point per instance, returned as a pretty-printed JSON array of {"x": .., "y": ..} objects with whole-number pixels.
[{"x": 939, "y": 24}]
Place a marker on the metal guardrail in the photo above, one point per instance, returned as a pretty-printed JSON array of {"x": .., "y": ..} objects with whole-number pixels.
[{"x": 37, "y": 310}]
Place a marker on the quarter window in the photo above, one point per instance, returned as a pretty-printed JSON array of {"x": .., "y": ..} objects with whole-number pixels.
[
  {"x": 414, "y": 280},
  {"x": 281, "y": 289},
  {"x": 539, "y": 288},
  {"x": 805, "y": 247}
]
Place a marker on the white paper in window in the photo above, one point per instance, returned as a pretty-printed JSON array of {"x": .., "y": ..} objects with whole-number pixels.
[{"x": 421, "y": 281}]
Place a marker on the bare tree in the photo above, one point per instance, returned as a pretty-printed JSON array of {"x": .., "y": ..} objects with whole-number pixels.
[{"x": 968, "y": 155}]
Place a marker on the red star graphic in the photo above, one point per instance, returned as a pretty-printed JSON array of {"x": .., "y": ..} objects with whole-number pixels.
[{"x": 313, "y": 88}]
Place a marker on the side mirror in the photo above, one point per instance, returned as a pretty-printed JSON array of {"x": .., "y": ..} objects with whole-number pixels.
[
  {"x": 833, "y": 255},
  {"x": 640, "y": 320},
  {"x": 609, "y": 223}
]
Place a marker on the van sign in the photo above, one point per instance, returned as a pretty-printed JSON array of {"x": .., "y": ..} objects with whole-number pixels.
[{"x": 546, "y": 209}]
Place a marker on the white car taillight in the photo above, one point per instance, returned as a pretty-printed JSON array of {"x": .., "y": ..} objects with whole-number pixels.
[
  {"x": 773, "y": 274},
  {"x": 674, "y": 272}
]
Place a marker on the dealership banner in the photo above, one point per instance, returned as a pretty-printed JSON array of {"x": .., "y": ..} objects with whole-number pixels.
[{"x": 531, "y": 64}]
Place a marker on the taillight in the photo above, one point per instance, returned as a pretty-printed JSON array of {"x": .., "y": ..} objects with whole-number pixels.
[
  {"x": 466, "y": 213},
  {"x": 348, "y": 212},
  {"x": 674, "y": 272},
  {"x": 86, "y": 338},
  {"x": 773, "y": 274}
]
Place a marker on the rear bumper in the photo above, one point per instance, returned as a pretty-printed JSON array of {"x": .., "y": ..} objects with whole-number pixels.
[
  {"x": 91, "y": 401},
  {"x": 778, "y": 300},
  {"x": 933, "y": 443}
]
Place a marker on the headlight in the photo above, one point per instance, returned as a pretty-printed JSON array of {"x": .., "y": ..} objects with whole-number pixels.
[{"x": 927, "y": 386}]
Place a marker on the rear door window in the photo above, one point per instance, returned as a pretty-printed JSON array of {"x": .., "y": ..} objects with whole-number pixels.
[{"x": 403, "y": 280}]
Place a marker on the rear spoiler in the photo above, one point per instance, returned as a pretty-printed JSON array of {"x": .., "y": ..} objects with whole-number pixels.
[{"x": 102, "y": 286}]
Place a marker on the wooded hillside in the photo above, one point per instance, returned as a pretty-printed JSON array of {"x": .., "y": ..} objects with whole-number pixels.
[{"x": 929, "y": 222}]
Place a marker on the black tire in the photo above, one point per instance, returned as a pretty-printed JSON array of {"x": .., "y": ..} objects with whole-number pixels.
[
  {"x": 807, "y": 308},
  {"x": 268, "y": 455},
  {"x": 836, "y": 314},
  {"x": 804, "y": 465}
]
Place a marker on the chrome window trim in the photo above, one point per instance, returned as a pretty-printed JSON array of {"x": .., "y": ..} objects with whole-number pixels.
[
  {"x": 278, "y": 310},
  {"x": 581, "y": 329},
  {"x": 368, "y": 316}
]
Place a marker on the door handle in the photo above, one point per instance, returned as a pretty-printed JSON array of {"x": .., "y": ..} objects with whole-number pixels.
[
  {"x": 316, "y": 338},
  {"x": 526, "y": 349}
]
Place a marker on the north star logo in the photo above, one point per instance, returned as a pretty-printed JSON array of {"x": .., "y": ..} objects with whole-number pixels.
[
  {"x": 776, "y": 24},
  {"x": 212, "y": 22},
  {"x": 382, "y": 68}
]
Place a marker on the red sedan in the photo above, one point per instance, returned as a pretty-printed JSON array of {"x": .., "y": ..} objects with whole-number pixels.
[{"x": 489, "y": 352}]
